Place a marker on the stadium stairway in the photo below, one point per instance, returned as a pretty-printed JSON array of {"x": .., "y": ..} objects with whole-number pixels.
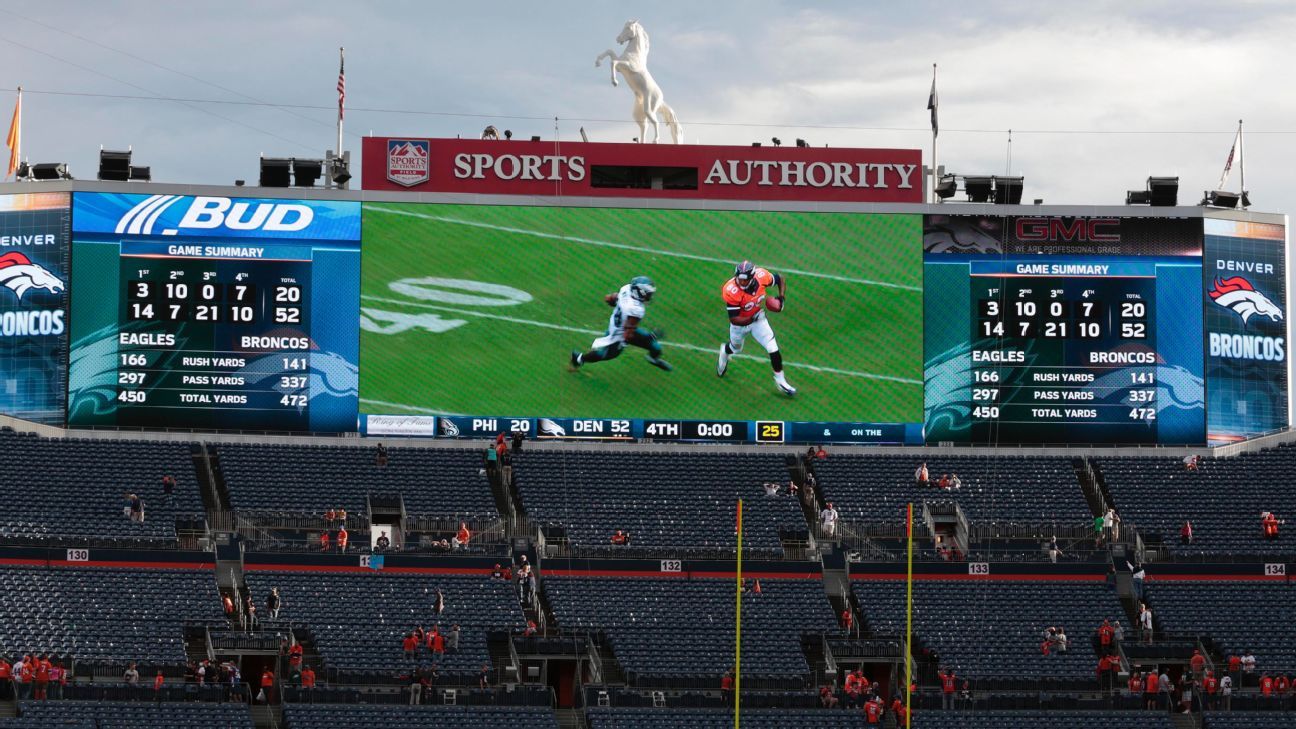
[{"x": 267, "y": 716}]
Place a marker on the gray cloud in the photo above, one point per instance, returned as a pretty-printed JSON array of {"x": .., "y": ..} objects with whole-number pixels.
[{"x": 1113, "y": 67}]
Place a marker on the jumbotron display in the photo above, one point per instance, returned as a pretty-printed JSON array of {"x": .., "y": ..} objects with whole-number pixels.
[
  {"x": 213, "y": 312},
  {"x": 1064, "y": 330},
  {"x": 514, "y": 313}
]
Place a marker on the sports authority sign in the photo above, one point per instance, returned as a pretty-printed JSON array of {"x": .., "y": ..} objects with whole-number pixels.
[{"x": 504, "y": 167}]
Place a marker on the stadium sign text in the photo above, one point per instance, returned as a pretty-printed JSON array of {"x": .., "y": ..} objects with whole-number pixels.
[{"x": 811, "y": 174}]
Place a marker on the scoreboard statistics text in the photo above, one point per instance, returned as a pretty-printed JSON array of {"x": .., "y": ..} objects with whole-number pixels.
[
  {"x": 1049, "y": 348},
  {"x": 215, "y": 313}
]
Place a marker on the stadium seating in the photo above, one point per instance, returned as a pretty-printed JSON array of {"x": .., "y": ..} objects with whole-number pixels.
[
  {"x": 990, "y": 631},
  {"x": 130, "y": 715},
  {"x": 875, "y": 489},
  {"x": 1223, "y": 499},
  {"x": 645, "y": 718},
  {"x": 55, "y": 488},
  {"x": 292, "y": 479},
  {"x": 1239, "y": 617},
  {"x": 299, "y": 716},
  {"x": 682, "y": 501},
  {"x": 675, "y": 629},
  {"x": 103, "y": 615},
  {"x": 358, "y": 620},
  {"x": 1250, "y": 720}
]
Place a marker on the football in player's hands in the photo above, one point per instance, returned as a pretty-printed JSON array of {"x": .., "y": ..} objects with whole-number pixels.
[{"x": 775, "y": 304}]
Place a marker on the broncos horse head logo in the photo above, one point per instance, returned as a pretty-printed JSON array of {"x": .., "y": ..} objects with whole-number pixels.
[
  {"x": 1238, "y": 294},
  {"x": 21, "y": 275}
]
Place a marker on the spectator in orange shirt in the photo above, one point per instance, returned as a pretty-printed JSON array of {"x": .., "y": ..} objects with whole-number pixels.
[
  {"x": 1266, "y": 687},
  {"x": 308, "y": 681},
  {"x": 1186, "y": 533},
  {"x": 898, "y": 708},
  {"x": 342, "y": 538},
  {"x": 158, "y": 680},
  {"x": 6, "y": 680},
  {"x": 324, "y": 541},
  {"x": 42, "y": 678},
  {"x": 921, "y": 476},
  {"x": 1150, "y": 686},
  {"x": 1136, "y": 684},
  {"x": 1281, "y": 684},
  {"x": 944, "y": 482},
  {"x": 847, "y": 620},
  {"x": 1269, "y": 524},
  {"x": 462, "y": 537},
  {"x": 438, "y": 641},
  {"x": 1210, "y": 685},
  {"x": 826, "y": 698},
  {"x": 1198, "y": 663},
  {"x": 410, "y": 645},
  {"x": 267, "y": 685},
  {"x": 948, "y": 684},
  {"x": 620, "y": 538},
  {"x": 873, "y": 711},
  {"x": 726, "y": 688}
]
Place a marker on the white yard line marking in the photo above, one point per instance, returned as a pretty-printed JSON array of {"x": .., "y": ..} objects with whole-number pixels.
[
  {"x": 669, "y": 343},
  {"x": 628, "y": 247}
]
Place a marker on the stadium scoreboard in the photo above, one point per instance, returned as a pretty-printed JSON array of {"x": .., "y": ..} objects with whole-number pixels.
[
  {"x": 1056, "y": 342},
  {"x": 233, "y": 316}
]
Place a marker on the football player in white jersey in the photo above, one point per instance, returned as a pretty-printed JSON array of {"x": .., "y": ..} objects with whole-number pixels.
[{"x": 629, "y": 306}]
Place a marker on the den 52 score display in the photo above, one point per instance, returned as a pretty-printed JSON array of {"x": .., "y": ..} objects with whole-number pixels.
[{"x": 214, "y": 312}]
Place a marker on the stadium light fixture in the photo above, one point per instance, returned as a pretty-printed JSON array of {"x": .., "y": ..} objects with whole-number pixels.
[
  {"x": 979, "y": 188},
  {"x": 141, "y": 174},
  {"x": 49, "y": 171},
  {"x": 1138, "y": 197},
  {"x": 1222, "y": 199},
  {"x": 114, "y": 165},
  {"x": 1008, "y": 190},
  {"x": 802, "y": 143},
  {"x": 508, "y": 133},
  {"x": 490, "y": 132},
  {"x": 307, "y": 171},
  {"x": 1163, "y": 192},
  {"x": 275, "y": 172},
  {"x": 777, "y": 142},
  {"x": 947, "y": 186},
  {"x": 535, "y": 137}
]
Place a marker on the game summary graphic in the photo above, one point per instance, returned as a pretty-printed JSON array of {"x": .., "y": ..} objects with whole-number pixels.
[
  {"x": 1063, "y": 330},
  {"x": 646, "y": 313}
]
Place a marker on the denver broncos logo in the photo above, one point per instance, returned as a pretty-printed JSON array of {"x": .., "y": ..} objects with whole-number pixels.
[
  {"x": 1238, "y": 294},
  {"x": 21, "y": 275}
]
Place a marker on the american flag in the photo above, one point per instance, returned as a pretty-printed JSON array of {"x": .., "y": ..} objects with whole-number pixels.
[{"x": 341, "y": 88}]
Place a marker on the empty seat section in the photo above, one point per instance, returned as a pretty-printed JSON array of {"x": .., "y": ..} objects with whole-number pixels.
[
  {"x": 131, "y": 715},
  {"x": 1223, "y": 499},
  {"x": 683, "y": 630},
  {"x": 103, "y": 615},
  {"x": 991, "y": 630},
  {"x": 358, "y": 620},
  {"x": 678, "y": 500},
  {"x": 55, "y": 488},
  {"x": 317, "y": 716}
]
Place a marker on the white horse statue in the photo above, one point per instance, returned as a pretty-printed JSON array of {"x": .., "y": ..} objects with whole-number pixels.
[{"x": 633, "y": 65}]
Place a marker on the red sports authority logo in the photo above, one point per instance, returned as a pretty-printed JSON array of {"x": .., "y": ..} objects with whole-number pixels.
[
  {"x": 20, "y": 275},
  {"x": 408, "y": 161},
  {"x": 1237, "y": 293}
]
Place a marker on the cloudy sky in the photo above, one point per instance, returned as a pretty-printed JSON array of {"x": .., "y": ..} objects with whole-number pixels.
[{"x": 1099, "y": 94}]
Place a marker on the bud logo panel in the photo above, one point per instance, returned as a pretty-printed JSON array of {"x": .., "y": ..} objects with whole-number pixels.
[
  {"x": 34, "y": 257},
  {"x": 1246, "y": 329},
  {"x": 215, "y": 313}
]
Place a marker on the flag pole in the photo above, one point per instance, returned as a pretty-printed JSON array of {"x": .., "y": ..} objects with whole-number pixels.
[
  {"x": 1241, "y": 166},
  {"x": 14, "y": 140},
  {"x": 737, "y": 686},
  {"x": 341, "y": 97},
  {"x": 935, "y": 178}
]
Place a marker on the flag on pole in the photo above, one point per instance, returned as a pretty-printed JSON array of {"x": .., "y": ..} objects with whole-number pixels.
[
  {"x": 341, "y": 87},
  {"x": 933, "y": 102},
  {"x": 14, "y": 140},
  {"x": 1234, "y": 152}
]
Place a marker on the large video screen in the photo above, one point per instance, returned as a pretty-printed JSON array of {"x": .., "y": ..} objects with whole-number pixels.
[
  {"x": 478, "y": 309},
  {"x": 215, "y": 312},
  {"x": 1063, "y": 330},
  {"x": 1246, "y": 328},
  {"x": 33, "y": 308}
]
